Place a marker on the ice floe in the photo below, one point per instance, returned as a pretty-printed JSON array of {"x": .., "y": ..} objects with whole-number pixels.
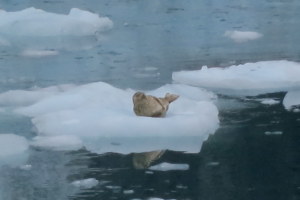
[
  {"x": 102, "y": 118},
  {"x": 40, "y": 31},
  {"x": 37, "y": 22},
  {"x": 246, "y": 79},
  {"x": 292, "y": 100},
  {"x": 13, "y": 149},
  {"x": 242, "y": 36}
]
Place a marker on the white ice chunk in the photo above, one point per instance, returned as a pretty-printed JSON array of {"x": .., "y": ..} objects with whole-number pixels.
[
  {"x": 242, "y": 36},
  {"x": 13, "y": 149},
  {"x": 291, "y": 99},
  {"x": 102, "y": 117},
  {"x": 247, "y": 79},
  {"x": 169, "y": 166},
  {"x": 128, "y": 191},
  {"x": 86, "y": 183},
  {"x": 35, "y": 53},
  {"x": 36, "y": 22},
  {"x": 273, "y": 133},
  {"x": 58, "y": 143},
  {"x": 269, "y": 101}
]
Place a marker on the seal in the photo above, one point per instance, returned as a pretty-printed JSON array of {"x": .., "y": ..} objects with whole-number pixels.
[{"x": 150, "y": 106}]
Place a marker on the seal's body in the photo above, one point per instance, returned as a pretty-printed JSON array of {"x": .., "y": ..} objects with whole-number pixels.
[{"x": 150, "y": 106}]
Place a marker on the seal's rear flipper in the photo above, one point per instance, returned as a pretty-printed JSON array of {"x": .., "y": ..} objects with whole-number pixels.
[{"x": 171, "y": 97}]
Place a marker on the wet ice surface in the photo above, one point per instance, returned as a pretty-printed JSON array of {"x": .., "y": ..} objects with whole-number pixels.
[{"x": 253, "y": 155}]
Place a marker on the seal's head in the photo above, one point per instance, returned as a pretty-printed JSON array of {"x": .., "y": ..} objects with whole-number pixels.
[{"x": 138, "y": 96}]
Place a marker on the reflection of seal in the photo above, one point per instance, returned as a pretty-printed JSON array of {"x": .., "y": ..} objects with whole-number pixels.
[
  {"x": 150, "y": 106},
  {"x": 145, "y": 159}
]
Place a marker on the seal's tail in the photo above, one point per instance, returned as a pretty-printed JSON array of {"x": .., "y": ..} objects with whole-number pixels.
[{"x": 171, "y": 97}]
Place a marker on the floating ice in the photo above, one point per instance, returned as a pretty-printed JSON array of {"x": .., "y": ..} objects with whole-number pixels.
[
  {"x": 291, "y": 100},
  {"x": 86, "y": 183},
  {"x": 270, "y": 101},
  {"x": 247, "y": 79},
  {"x": 273, "y": 133},
  {"x": 169, "y": 166},
  {"x": 128, "y": 191},
  {"x": 242, "y": 36},
  {"x": 36, "y": 22},
  {"x": 58, "y": 143},
  {"x": 102, "y": 117},
  {"x": 41, "y": 30},
  {"x": 13, "y": 149},
  {"x": 38, "y": 53}
]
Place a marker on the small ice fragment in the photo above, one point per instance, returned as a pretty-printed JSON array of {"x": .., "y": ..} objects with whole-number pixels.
[
  {"x": 273, "y": 132},
  {"x": 113, "y": 187},
  {"x": 213, "y": 164},
  {"x": 39, "y": 53},
  {"x": 85, "y": 183},
  {"x": 270, "y": 101},
  {"x": 242, "y": 36},
  {"x": 169, "y": 166},
  {"x": 26, "y": 167},
  {"x": 128, "y": 191},
  {"x": 149, "y": 172}
]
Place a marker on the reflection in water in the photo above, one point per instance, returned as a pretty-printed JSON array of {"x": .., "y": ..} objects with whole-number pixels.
[
  {"x": 255, "y": 154},
  {"x": 240, "y": 161},
  {"x": 128, "y": 176}
]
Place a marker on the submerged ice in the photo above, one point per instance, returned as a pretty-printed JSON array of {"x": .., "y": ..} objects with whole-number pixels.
[
  {"x": 246, "y": 79},
  {"x": 101, "y": 118},
  {"x": 13, "y": 149}
]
